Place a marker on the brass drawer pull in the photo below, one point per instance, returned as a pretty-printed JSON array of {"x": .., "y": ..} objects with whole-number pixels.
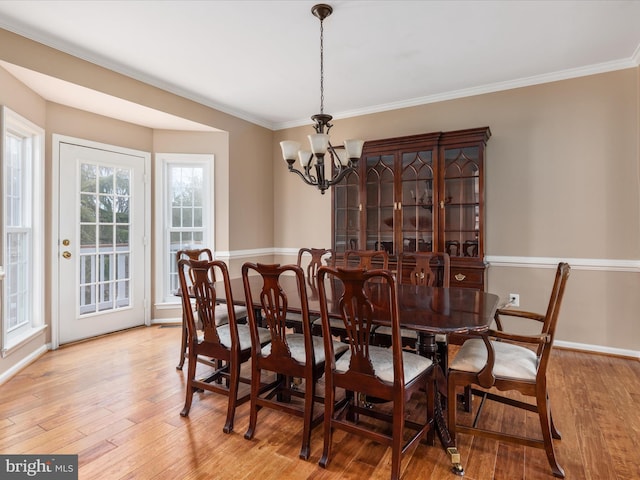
[{"x": 460, "y": 277}]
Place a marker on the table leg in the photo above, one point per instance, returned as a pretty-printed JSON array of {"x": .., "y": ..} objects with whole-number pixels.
[{"x": 426, "y": 346}]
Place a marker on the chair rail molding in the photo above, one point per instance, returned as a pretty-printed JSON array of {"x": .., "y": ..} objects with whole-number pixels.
[
  {"x": 613, "y": 265},
  {"x": 233, "y": 254}
]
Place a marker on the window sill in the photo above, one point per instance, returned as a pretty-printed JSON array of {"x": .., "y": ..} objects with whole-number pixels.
[
  {"x": 20, "y": 340},
  {"x": 168, "y": 305}
]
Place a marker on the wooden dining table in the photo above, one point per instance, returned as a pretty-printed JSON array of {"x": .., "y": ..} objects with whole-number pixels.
[{"x": 429, "y": 311}]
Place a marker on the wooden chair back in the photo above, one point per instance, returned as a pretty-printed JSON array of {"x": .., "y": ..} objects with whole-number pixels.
[
  {"x": 551, "y": 317},
  {"x": 194, "y": 254},
  {"x": 274, "y": 303},
  {"x": 319, "y": 257},
  {"x": 203, "y": 291},
  {"x": 366, "y": 258},
  {"x": 424, "y": 268},
  {"x": 358, "y": 312},
  {"x": 189, "y": 254}
]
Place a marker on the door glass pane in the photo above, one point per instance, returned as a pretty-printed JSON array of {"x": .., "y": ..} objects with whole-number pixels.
[
  {"x": 104, "y": 238},
  {"x": 87, "y": 207},
  {"x": 106, "y": 180}
]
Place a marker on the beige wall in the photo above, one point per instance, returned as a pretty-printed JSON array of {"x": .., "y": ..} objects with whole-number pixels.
[
  {"x": 562, "y": 180},
  {"x": 242, "y": 152},
  {"x": 245, "y": 201}
]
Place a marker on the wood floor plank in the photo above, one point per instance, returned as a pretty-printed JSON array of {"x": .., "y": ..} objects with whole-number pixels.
[{"x": 121, "y": 415}]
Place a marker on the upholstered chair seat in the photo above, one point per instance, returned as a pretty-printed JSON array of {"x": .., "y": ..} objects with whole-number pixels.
[
  {"x": 382, "y": 361},
  {"x": 511, "y": 361}
]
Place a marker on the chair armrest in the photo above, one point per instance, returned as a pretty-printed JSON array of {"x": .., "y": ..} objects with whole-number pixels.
[
  {"x": 520, "y": 313},
  {"x": 536, "y": 339},
  {"x": 508, "y": 312}
]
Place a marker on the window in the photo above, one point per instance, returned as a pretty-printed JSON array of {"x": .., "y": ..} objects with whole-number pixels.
[
  {"x": 22, "y": 229},
  {"x": 185, "y": 213}
]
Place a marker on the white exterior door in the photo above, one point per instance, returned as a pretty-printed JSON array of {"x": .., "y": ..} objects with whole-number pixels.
[{"x": 101, "y": 246}]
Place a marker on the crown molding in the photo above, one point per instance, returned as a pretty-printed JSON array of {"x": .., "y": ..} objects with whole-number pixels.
[
  {"x": 83, "y": 54},
  {"x": 484, "y": 89}
]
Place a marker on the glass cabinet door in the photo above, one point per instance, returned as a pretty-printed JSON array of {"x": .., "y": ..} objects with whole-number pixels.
[
  {"x": 346, "y": 224},
  {"x": 379, "y": 202},
  {"x": 417, "y": 201},
  {"x": 461, "y": 201}
]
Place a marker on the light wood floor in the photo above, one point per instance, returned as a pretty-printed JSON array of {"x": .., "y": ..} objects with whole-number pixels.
[{"x": 115, "y": 401}]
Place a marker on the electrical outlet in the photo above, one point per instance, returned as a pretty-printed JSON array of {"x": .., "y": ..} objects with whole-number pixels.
[{"x": 514, "y": 299}]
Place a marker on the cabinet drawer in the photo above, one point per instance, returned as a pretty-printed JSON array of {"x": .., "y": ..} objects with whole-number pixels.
[{"x": 467, "y": 278}]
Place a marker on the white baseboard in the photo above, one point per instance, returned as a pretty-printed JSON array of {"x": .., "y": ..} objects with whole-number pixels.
[
  {"x": 165, "y": 321},
  {"x": 583, "y": 347},
  {"x": 32, "y": 357}
]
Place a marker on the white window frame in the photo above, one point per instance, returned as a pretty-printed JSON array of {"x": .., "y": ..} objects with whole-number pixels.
[
  {"x": 164, "y": 297},
  {"x": 15, "y": 124}
]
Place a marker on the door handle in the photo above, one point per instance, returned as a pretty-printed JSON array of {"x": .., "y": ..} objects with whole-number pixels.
[{"x": 66, "y": 254}]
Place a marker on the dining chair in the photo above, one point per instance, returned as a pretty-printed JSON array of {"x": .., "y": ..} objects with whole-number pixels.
[
  {"x": 221, "y": 310},
  {"x": 355, "y": 259},
  {"x": 503, "y": 361},
  {"x": 365, "y": 370},
  {"x": 419, "y": 268},
  {"x": 366, "y": 258},
  {"x": 221, "y": 346},
  {"x": 310, "y": 259},
  {"x": 318, "y": 257},
  {"x": 289, "y": 355}
]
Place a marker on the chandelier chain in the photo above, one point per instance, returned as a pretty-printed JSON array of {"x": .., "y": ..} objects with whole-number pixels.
[{"x": 321, "y": 66}]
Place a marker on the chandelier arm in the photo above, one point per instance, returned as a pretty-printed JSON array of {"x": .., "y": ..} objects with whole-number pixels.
[
  {"x": 342, "y": 171},
  {"x": 306, "y": 176}
]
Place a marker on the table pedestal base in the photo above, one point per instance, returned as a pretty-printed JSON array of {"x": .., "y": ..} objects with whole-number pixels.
[{"x": 426, "y": 346}]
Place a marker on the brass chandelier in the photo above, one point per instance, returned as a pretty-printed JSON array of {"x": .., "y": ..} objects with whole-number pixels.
[{"x": 344, "y": 158}]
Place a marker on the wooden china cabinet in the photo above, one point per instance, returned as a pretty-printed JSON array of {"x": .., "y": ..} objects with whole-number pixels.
[{"x": 418, "y": 193}]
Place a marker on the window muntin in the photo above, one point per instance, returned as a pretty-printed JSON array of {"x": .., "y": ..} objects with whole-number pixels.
[
  {"x": 187, "y": 212},
  {"x": 22, "y": 229}
]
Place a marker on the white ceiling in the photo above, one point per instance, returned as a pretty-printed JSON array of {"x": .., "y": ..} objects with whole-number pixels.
[{"x": 260, "y": 60}]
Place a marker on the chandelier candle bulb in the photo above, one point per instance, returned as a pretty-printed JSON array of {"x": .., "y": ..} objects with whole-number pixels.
[
  {"x": 353, "y": 149},
  {"x": 342, "y": 160},
  {"x": 319, "y": 143},
  {"x": 305, "y": 157},
  {"x": 289, "y": 150}
]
